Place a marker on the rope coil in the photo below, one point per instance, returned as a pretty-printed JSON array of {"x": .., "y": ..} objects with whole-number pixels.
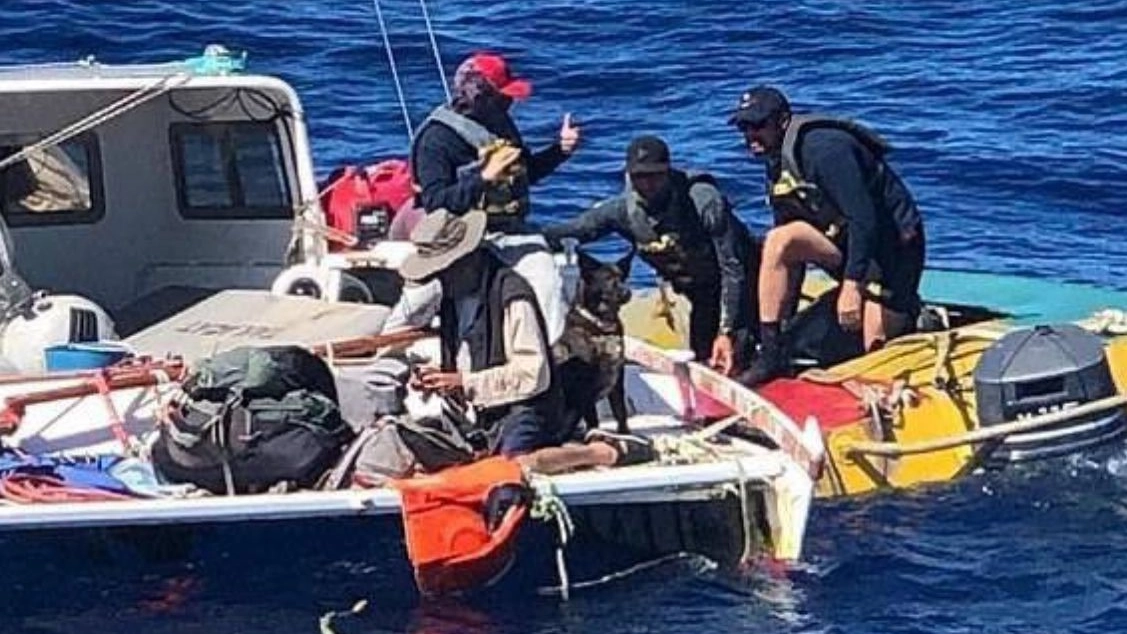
[{"x": 1109, "y": 321}]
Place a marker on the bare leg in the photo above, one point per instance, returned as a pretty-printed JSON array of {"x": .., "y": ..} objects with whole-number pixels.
[
  {"x": 881, "y": 324},
  {"x": 786, "y": 251},
  {"x": 572, "y": 456}
]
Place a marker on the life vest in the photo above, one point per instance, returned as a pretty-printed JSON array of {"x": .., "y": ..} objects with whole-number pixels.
[
  {"x": 362, "y": 202},
  {"x": 508, "y": 198},
  {"x": 452, "y": 541},
  {"x": 675, "y": 244},
  {"x": 794, "y": 198}
]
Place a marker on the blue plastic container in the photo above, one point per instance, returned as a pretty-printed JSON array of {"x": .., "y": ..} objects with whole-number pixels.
[{"x": 84, "y": 356}]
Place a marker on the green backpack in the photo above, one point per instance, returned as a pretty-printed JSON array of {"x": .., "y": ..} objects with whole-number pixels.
[{"x": 251, "y": 418}]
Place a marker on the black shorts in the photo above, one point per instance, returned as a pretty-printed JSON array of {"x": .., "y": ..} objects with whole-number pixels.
[
  {"x": 522, "y": 431},
  {"x": 893, "y": 279}
]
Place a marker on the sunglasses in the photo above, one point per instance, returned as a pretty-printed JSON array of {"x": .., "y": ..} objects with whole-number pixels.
[{"x": 746, "y": 126}]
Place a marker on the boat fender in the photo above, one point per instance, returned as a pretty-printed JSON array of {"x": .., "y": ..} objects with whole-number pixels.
[{"x": 310, "y": 280}]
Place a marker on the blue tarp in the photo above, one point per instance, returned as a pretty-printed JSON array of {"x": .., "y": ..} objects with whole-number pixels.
[{"x": 91, "y": 473}]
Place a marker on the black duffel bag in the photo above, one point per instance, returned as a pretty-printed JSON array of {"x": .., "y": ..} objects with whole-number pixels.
[{"x": 251, "y": 418}]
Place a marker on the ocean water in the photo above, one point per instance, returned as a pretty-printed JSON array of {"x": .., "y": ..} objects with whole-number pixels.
[{"x": 1009, "y": 126}]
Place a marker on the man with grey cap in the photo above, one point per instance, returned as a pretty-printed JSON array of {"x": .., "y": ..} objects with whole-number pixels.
[
  {"x": 496, "y": 367},
  {"x": 839, "y": 205},
  {"x": 683, "y": 227}
]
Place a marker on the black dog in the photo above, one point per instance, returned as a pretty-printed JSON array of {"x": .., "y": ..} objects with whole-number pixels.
[{"x": 589, "y": 354}]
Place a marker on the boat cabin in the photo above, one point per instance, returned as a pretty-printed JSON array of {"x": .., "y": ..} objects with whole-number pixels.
[{"x": 147, "y": 187}]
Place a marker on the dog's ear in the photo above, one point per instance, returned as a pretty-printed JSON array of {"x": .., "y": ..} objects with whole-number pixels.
[
  {"x": 623, "y": 264},
  {"x": 587, "y": 264}
]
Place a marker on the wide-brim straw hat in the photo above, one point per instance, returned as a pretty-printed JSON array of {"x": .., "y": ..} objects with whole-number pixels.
[{"x": 441, "y": 239}]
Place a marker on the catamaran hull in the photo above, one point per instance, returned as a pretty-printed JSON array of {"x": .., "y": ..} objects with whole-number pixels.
[{"x": 369, "y": 552}]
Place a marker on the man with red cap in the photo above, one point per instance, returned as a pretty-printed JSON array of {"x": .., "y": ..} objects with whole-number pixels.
[{"x": 469, "y": 155}]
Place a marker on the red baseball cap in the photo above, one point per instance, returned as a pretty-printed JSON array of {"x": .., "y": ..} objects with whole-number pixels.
[{"x": 495, "y": 70}]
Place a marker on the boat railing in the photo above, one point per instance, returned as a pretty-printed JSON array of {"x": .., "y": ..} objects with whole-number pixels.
[
  {"x": 985, "y": 434},
  {"x": 802, "y": 445}
]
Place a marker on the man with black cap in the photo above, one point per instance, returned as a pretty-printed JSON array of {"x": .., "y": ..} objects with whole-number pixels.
[
  {"x": 469, "y": 155},
  {"x": 839, "y": 205},
  {"x": 684, "y": 228},
  {"x": 495, "y": 358}
]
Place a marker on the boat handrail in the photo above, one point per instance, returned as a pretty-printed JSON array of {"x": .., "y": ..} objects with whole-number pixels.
[
  {"x": 802, "y": 445},
  {"x": 896, "y": 450}
]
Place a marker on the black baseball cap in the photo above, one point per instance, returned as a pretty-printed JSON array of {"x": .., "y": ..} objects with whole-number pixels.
[
  {"x": 758, "y": 104},
  {"x": 647, "y": 155}
]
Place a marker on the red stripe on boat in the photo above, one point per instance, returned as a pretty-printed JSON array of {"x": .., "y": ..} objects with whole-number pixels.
[{"x": 832, "y": 405}]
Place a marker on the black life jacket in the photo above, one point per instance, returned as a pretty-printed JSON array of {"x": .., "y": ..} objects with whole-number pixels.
[
  {"x": 674, "y": 242},
  {"x": 503, "y": 199},
  {"x": 792, "y": 196}
]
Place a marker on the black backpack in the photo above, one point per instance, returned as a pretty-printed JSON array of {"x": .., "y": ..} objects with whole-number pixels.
[{"x": 250, "y": 418}]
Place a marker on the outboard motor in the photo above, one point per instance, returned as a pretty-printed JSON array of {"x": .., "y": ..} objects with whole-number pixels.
[
  {"x": 1046, "y": 369},
  {"x": 49, "y": 320},
  {"x": 32, "y": 322}
]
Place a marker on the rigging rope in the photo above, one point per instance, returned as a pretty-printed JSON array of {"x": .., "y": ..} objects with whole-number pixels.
[
  {"x": 394, "y": 70},
  {"x": 98, "y": 117},
  {"x": 434, "y": 49}
]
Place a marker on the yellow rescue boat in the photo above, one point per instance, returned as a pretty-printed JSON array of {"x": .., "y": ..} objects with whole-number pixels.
[{"x": 1021, "y": 369}]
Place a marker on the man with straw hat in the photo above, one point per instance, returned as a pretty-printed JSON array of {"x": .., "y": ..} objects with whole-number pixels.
[{"x": 496, "y": 365}]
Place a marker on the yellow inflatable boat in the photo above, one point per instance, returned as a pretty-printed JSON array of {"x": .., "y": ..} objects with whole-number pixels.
[{"x": 1021, "y": 369}]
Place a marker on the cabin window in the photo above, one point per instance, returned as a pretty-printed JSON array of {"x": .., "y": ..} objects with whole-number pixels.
[
  {"x": 231, "y": 170},
  {"x": 60, "y": 184}
]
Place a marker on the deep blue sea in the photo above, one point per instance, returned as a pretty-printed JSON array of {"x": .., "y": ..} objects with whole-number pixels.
[{"x": 1010, "y": 126}]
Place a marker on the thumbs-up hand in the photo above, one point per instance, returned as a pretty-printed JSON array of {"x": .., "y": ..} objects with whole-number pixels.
[{"x": 569, "y": 135}]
